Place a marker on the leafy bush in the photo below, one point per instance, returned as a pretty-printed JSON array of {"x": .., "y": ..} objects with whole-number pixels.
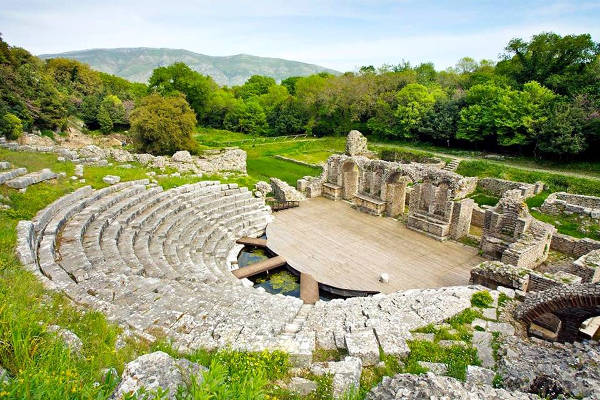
[
  {"x": 11, "y": 126},
  {"x": 163, "y": 125},
  {"x": 482, "y": 299}
]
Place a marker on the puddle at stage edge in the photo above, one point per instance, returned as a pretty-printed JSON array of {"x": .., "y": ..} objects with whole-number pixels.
[{"x": 277, "y": 280}]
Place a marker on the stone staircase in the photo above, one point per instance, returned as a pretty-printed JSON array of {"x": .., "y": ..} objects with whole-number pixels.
[{"x": 452, "y": 165}]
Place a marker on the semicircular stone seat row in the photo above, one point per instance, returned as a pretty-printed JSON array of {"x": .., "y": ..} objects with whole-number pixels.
[{"x": 158, "y": 262}]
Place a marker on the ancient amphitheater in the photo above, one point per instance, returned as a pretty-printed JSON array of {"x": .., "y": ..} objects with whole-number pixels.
[{"x": 159, "y": 263}]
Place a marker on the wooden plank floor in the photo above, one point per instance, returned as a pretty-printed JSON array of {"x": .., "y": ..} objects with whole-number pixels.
[{"x": 347, "y": 249}]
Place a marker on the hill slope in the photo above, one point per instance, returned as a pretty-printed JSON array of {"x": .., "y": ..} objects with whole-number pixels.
[{"x": 136, "y": 64}]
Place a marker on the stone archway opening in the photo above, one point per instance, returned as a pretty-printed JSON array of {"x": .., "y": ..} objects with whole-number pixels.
[
  {"x": 350, "y": 176},
  {"x": 572, "y": 305}
]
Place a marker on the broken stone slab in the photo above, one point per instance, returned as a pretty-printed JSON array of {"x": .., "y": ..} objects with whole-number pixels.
[
  {"x": 346, "y": 373},
  {"x": 393, "y": 342},
  {"x": 70, "y": 339},
  {"x": 4, "y": 165},
  {"x": 430, "y": 386},
  {"x": 301, "y": 386},
  {"x": 79, "y": 170},
  {"x": 503, "y": 327},
  {"x": 155, "y": 370},
  {"x": 490, "y": 313},
  {"x": 111, "y": 179},
  {"x": 284, "y": 192},
  {"x": 363, "y": 344},
  {"x": 481, "y": 323},
  {"x": 479, "y": 375},
  {"x": 483, "y": 343},
  {"x": 510, "y": 293},
  {"x": 436, "y": 368}
]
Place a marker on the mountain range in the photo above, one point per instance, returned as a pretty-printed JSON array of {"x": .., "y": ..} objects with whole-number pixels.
[{"x": 136, "y": 64}]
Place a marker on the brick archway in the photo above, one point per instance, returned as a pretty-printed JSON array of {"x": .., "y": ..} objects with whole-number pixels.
[{"x": 572, "y": 304}]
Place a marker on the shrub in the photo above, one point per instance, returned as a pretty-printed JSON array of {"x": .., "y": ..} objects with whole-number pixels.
[
  {"x": 482, "y": 299},
  {"x": 163, "y": 125},
  {"x": 11, "y": 126}
]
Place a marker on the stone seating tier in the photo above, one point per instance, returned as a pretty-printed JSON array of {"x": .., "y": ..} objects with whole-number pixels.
[{"x": 158, "y": 262}]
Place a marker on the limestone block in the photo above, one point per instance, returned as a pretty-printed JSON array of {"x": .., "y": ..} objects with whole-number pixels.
[
  {"x": 301, "y": 386},
  {"x": 182, "y": 156},
  {"x": 346, "y": 373},
  {"x": 111, "y": 179},
  {"x": 479, "y": 376},
  {"x": 436, "y": 368},
  {"x": 70, "y": 339},
  {"x": 356, "y": 144},
  {"x": 393, "y": 341},
  {"x": 483, "y": 343},
  {"x": 155, "y": 370},
  {"x": 363, "y": 344}
]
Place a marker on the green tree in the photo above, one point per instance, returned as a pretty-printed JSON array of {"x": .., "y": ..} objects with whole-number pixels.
[
  {"x": 414, "y": 101},
  {"x": 256, "y": 85},
  {"x": 290, "y": 84},
  {"x": 104, "y": 121},
  {"x": 178, "y": 77},
  {"x": 561, "y": 133},
  {"x": 163, "y": 125},
  {"x": 554, "y": 61},
  {"x": 288, "y": 117},
  {"x": 440, "y": 122},
  {"x": 246, "y": 117},
  {"x": 11, "y": 126}
]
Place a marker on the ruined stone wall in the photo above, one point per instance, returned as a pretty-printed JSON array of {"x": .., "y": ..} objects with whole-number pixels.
[
  {"x": 498, "y": 186},
  {"x": 229, "y": 159},
  {"x": 494, "y": 273},
  {"x": 478, "y": 216},
  {"x": 512, "y": 235},
  {"x": 567, "y": 203},
  {"x": 573, "y": 246}
]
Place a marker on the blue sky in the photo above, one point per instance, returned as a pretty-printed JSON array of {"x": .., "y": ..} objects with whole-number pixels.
[{"x": 338, "y": 34}]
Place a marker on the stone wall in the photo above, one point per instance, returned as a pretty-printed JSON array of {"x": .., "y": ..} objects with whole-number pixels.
[
  {"x": 588, "y": 266},
  {"x": 572, "y": 246},
  {"x": 494, "y": 273},
  {"x": 478, "y": 216},
  {"x": 499, "y": 186},
  {"x": 567, "y": 203},
  {"x": 512, "y": 235}
]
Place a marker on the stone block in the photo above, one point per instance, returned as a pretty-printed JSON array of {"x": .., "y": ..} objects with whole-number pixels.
[
  {"x": 363, "y": 344},
  {"x": 479, "y": 376}
]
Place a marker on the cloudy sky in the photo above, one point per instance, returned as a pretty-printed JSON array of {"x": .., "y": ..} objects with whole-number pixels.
[{"x": 338, "y": 34}]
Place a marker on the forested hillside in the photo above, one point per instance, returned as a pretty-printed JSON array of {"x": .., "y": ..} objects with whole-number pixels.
[
  {"x": 137, "y": 64},
  {"x": 542, "y": 98}
]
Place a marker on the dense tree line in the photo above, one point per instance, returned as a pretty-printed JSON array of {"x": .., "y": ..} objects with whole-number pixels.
[{"x": 541, "y": 97}]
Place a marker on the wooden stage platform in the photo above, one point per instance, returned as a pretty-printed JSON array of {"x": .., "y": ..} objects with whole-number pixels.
[{"x": 347, "y": 249}]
